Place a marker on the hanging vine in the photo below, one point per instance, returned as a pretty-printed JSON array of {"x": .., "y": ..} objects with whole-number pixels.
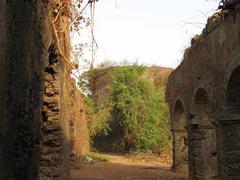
[{"x": 74, "y": 10}]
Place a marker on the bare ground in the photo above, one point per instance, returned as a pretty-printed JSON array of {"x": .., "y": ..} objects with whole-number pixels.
[{"x": 121, "y": 167}]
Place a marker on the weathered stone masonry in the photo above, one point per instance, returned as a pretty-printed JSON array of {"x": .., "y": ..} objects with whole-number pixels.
[
  {"x": 203, "y": 94},
  {"x": 42, "y": 124}
]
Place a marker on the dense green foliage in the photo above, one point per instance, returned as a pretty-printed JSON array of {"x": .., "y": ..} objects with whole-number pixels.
[
  {"x": 97, "y": 118},
  {"x": 138, "y": 111},
  {"x": 135, "y": 116},
  {"x": 97, "y": 115}
]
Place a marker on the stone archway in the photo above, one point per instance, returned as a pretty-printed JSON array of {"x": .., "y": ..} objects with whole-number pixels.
[
  {"x": 233, "y": 89},
  {"x": 180, "y": 147},
  {"x": 202, "y": 139},
  {"x": 229, "y": 130}
]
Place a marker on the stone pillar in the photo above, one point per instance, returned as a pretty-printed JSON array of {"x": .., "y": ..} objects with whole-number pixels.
[
  {"x": 180, "y": 141},
  {"x": 202, "y": 152},
  {"x": 180, "y": 150},
  {"x": 229, "y": 148}
]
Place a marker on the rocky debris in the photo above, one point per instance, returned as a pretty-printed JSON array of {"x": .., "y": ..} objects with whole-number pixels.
[{"x": 88, "y": 159}]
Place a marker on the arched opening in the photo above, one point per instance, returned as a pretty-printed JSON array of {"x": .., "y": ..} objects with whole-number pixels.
[
  {"x": 229, "y": 130},
  {"x": 180, "y": 147},
  {"x": 202, "y": 139},
  {"x": 233, "y": 89}
]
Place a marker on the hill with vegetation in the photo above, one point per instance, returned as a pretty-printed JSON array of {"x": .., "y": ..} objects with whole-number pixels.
[
  {"x": 126, "y": 108},
  {"x": 101, "y": 80}
]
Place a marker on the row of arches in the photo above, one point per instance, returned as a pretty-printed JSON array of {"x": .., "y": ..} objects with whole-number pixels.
[{"x": 201, "y": 140}]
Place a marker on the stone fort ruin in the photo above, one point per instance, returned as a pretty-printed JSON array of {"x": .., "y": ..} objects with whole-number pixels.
[
  {"x": 42, "y": 123},
  {"x": 203, "y": 94}
]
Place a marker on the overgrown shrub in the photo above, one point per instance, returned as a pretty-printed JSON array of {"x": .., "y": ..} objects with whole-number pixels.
[{"x": 138, "y": 111}]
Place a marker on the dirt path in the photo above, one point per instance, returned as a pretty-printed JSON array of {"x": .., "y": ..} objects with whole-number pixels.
[{"x": 127, "y": 168}]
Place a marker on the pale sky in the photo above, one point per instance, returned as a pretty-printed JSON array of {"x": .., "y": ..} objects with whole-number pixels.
[{"x": 151, "y": 31}]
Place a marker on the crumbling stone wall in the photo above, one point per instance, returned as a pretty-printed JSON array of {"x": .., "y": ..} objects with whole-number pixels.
[
  {"x": 206, "y": 84},
  {"x": 64, "y": 129},
  {"x": 40, "y": 105}
]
